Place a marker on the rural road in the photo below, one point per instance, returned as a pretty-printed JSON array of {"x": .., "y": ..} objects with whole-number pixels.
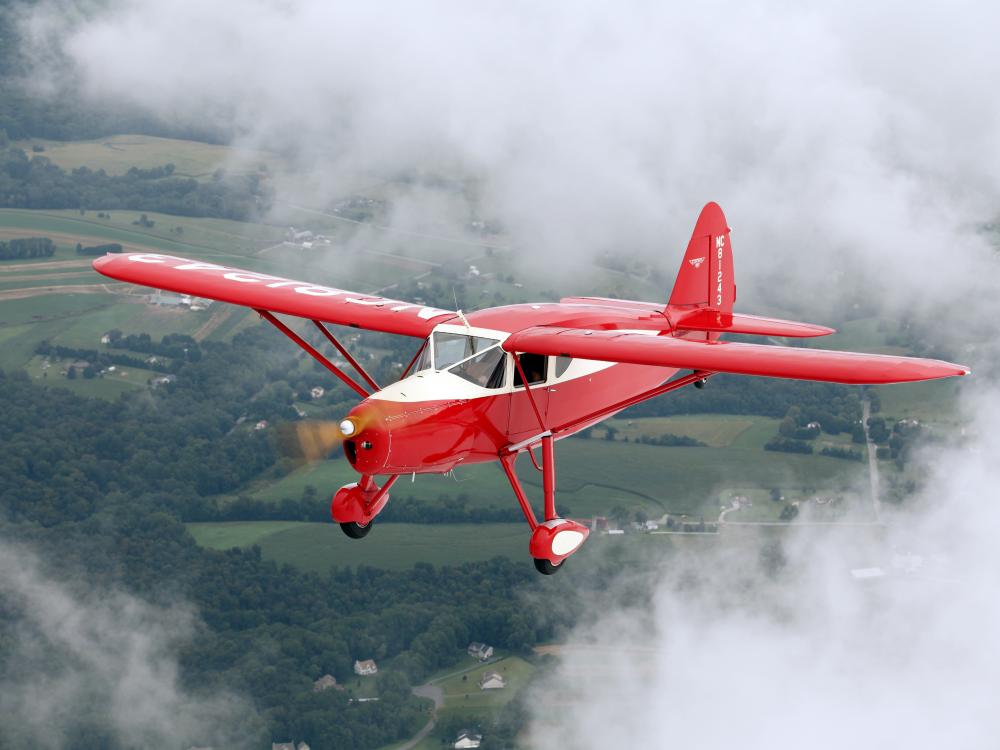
[
  {"x": 872, "y": 461},
  {"x": 436, "y": 694}
]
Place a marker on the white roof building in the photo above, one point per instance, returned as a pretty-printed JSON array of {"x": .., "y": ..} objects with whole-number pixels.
[
  {"x": 468, "y": 739},
  {"x": 492, "y": 681},
  {"x": 480, "y": 651},
  {"x": 366, "y": 667}
]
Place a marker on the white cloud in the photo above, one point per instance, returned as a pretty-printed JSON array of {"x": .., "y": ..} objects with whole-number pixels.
[
  {"x": 88, "y": 656},
  {"x": 859, "y": 137},
  {"x": 721, "y": 655}
]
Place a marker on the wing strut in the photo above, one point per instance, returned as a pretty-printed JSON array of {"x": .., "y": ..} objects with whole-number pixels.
[
  {"x": 531, "y": 399},
  {"x": 312, "y": 352},
  {"x": 347, "y": 355}
]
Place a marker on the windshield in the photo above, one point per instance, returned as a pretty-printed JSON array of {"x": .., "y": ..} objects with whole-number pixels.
[
  {"x": 486, "y": 369},
  {"x": 450, "y": 348}
]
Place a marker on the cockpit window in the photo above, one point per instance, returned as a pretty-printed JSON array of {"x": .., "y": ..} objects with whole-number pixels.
[
  {"x": 534, "y": 369},
  {"x": 450, "y": 348},
  {"x": 486, "y": 369}
]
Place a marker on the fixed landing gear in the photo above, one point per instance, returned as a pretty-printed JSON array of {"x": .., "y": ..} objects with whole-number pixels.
[
  {"x": 555, "y": 538},
  {"x": 355, "y": 530},
  {"x": 546, "y": 567},
  {"x": 354, "y": 506}
]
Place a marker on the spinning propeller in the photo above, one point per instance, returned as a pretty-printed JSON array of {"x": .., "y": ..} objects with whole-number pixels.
[{"x": 315, "y": 439}]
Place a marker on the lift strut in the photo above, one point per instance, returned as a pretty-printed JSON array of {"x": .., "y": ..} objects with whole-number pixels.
[
  {"x": 347, "y": 355},
  {"x": 508, "y": 460},
  {"x": 508, "y": 456},
  {"x": 312, "y": 352}
]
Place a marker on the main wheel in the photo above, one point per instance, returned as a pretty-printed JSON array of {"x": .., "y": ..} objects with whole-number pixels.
[
  {"x": 546, "y": 567},
  {"x": 355, "y": 530}
]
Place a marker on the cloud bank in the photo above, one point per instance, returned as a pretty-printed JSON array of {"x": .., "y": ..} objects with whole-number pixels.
[{"x": 860, "y": 139}]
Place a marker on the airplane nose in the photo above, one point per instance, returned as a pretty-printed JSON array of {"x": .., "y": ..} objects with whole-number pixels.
[{"x": 366, "y": 439}]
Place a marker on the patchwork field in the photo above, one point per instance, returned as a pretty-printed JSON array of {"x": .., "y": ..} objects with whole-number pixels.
[
  {"x": 216, "y": 237},
  {"x": 118, "y": 153}
]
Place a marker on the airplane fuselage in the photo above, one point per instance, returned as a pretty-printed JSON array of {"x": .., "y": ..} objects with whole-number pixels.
[{"x": 441, "y": 416}]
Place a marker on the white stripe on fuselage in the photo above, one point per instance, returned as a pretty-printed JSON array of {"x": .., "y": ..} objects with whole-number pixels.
[{"x": 441, "y": 385}]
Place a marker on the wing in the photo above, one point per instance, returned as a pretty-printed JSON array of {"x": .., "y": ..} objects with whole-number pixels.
[
  {"x": 725, "y": 356},
  {"x": 264, "y": 292}
]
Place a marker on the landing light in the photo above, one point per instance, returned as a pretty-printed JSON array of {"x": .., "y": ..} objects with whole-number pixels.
[{"x": 347, "y": 427}]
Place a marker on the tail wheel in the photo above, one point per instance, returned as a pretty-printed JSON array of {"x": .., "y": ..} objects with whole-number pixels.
[
  {"x": 356, "y": 530},
  {"x": 546, "y": 567}
]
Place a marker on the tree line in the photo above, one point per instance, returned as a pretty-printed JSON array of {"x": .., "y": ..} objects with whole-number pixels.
[
  {"x": 111, "y": 247},
  {"x": 35, "y": 182},
  {"x": 28, "y": 247}
]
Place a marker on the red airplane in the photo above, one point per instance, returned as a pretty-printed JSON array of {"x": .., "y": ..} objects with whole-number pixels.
[{"x": 496, "y": 383}]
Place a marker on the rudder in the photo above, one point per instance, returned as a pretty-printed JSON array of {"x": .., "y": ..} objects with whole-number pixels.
[{"x": 706, "y": 279}]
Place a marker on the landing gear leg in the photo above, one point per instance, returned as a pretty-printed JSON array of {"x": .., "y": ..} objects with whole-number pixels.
[{"x": 554, "y": 539}]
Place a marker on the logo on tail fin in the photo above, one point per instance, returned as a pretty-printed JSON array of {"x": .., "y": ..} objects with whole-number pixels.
[{"x": 696, "y": 262}]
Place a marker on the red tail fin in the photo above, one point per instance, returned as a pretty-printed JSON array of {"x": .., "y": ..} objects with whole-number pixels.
[{"x": 706, "y": 277}]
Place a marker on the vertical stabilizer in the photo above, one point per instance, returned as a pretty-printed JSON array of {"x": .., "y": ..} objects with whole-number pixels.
[{"x": 706, "y": 279}]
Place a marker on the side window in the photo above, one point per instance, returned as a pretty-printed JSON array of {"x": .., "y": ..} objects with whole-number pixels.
[
  {"x": 562, "y": 364},
  {"x": 486, "y": 369},
  {"x": 424, "y": 362},
  {"x": 534, "y": 369}
]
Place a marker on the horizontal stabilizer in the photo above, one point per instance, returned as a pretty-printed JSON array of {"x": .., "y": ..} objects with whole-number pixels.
[
  {"x": 711, "y": 320},
  {"x": 729, "y": 356}
]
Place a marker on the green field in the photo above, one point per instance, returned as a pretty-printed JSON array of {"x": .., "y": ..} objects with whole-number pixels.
[
  {"x": 118, "y": 153},
  {"x": 861, "y": 335},
  {"x": 930, "y": 401},
  {"x": 462, "y": 693},
  {"x": 79, "y": 321},
  {"x": 109, "y": 385},
  {"x": 395, "y": 546},
  {"x": 229, "y": 535},
  {"x": 217, "y": 238},
  {"x": 715, "y": 430},
  {"x": 26, "y": 322}
]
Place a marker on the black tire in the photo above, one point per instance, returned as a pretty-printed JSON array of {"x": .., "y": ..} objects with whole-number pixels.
[
  {"x": 546, "y": 567},
  {"x": 355, "y": 530}
]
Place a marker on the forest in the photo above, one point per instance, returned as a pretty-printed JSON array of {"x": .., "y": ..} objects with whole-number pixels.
[{"x": 103, "y": 487}]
